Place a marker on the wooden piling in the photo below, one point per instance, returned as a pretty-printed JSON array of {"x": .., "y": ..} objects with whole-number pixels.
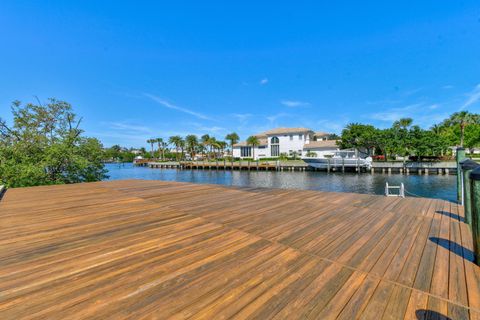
[
  {"x": 459, "y": 157},
  {"x": 475, "y": 204},
  {"x": 467, "y": 165}
]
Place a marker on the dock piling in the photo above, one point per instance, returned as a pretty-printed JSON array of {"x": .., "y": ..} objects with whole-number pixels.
[
  {"x": 468, "y": 166},
  {"x": 459, "y": 157},
  {"x": 475, "y": 210}
]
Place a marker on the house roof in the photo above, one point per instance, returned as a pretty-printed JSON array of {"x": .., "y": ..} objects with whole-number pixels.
[
  {"x": 321, "y": 134},
  {"x": 262, "y": 139},
  {"x": 286, "y": 130},
  {"x": 325, "y": 144}
]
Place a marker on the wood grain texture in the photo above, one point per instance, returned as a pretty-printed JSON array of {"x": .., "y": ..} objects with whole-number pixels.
[{"x": 137, "y": 249}]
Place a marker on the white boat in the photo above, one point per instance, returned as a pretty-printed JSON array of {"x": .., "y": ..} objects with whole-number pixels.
[{"x": 339, "y": 159}]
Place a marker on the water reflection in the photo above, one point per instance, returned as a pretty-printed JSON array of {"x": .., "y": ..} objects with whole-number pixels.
[{"x": 432, "y": 186}]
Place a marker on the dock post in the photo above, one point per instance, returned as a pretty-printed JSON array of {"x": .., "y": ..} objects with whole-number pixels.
[
  {"x": 468, "y": 166},
  {"x": 372, "y": 170},
  {"x": 343, "y": 165},
  {"x": 328, "y": 165},
  {"x": 460, "y": 156},
  {"x": 475, "y": 202}
]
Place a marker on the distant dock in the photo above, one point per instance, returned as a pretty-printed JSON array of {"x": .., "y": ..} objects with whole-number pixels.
[
  {"x": 384, "y": 167},
  {"x": 134, "y": 249}
]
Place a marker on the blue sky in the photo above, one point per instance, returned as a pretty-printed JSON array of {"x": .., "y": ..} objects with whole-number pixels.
[{"x": 135, "y": 70}]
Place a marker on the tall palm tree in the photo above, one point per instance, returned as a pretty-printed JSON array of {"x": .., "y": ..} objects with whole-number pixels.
[
  {"x": 159, "y": 142},
  {"x": 151, "y": 142},
  {"x": 253, "y": 141},
  {"x": 212, "y": 142},
  {"x": 402, "y": 126},
  {"x": 233, "y": 139},
  {"x": 191, "y": 142},
  {"x": 463, "y": 119},
  {"x": 182, "y": 149},
  {"x": 205, "y": 143},
  {"x": 177, "y": 142},
  {"x": 403, "y": 123},
  {"x": 222, "y": 145}
]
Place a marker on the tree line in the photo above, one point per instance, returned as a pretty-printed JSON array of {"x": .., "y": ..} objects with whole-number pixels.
[
  {"x": 45, "y": 145},
  {"x": 405, "y": 139}
]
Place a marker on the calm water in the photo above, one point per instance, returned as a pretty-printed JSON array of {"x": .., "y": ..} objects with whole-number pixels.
[{"x": 432, "y": 186}]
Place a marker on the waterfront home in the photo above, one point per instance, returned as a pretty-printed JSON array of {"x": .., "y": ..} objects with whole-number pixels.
[{"x": 288, "y": 141}]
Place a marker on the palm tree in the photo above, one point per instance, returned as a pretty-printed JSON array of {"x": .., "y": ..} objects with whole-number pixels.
[
  {"x": 463, "y": 119},
  {"x": 205, "y": 143},
  {"x": 403, "y": 123},
  {"x": 253, "y": 141},
  {"x": 177, "y": 142},
  {"x": 222, "y": 145},
  {"x": 159, "y": 141},
  {"x": 182, "y": 148},
  {"x": 151, "y": 141},
  {"x": 191, "y": 142},
  {"x": 212, "y": 142},
  {"x": 402, "y": 126},
  {"x": 233, "y": 139}
]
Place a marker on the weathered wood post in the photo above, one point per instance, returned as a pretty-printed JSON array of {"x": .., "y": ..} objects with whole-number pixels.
[
  {"x": 459, "y": 156},
  {"x": 328, "y": 165},
  {"x": 467, "y": 166},
  {"x": 475, "y": 202}
]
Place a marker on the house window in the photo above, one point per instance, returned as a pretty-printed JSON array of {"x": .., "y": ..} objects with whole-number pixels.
[
  {"x": 245, "y": 152},
  {"x": 275, "y": 147}
]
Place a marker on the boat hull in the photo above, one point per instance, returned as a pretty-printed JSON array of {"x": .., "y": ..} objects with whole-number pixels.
[{"x": 324, "y": 163}]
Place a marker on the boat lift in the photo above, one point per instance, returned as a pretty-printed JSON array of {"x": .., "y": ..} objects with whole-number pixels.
[{"x": 401, "y": 190}]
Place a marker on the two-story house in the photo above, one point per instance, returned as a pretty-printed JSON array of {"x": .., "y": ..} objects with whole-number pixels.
[{"x": 289, "y": 141}]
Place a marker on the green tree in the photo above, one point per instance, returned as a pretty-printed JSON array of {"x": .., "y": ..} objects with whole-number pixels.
[
  {"x": 401, "y": 129},
  {"x": 205, "y": 143},
  {"x": 151, "y": 142},
  {"x": 191, "y": 142},
  {"x": 177, "y": 141},
  {"x": 356, "y": 135},
  {"x": 472, "y": 136},
  {"x": 161, "y": 151},
  {"x": 462, "y": 119},
  {"x": 253, "y": 141},
  {"x": 221, "y": 147},
  {"x": 233, "y": 138},
  {"x": 44, "y": 145}
]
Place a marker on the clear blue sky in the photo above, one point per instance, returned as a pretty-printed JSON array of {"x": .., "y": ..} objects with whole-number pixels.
[{"x": 139, "y": 69}]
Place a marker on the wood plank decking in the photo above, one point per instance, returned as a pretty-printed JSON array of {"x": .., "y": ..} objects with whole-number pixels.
[{"x": 149, "y": 249}]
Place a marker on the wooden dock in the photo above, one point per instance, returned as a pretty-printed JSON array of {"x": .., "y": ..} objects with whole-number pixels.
[
  {"x": 136, "y": 249},
  {"x": 388, "y": 167}
]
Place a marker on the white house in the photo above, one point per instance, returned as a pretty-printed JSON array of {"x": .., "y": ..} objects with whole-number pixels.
[{"x": 289, "y": 141}]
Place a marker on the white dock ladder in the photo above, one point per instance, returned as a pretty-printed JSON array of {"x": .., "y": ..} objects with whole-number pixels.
[{"x": 401, "y": 192}]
